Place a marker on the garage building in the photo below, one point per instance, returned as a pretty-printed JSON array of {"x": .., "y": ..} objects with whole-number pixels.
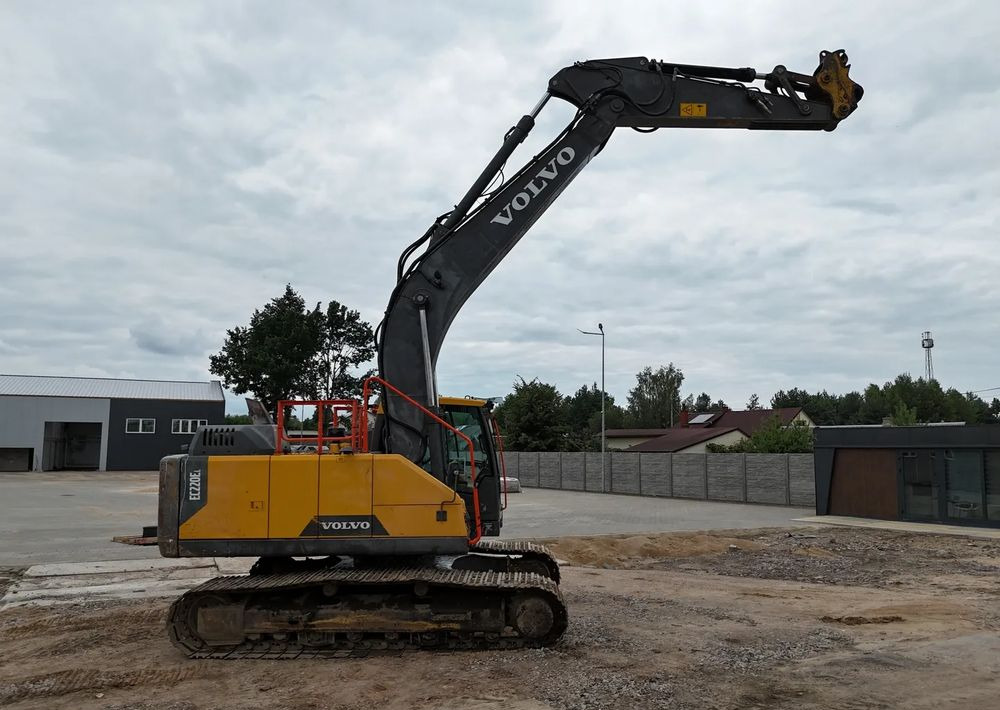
[
  {"x": 948, "y": 474},
  {"x": 99, "y": 424}
]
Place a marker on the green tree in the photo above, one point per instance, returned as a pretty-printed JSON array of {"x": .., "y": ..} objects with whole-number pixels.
[
  {"x": 238, "y": 419},
  {"x": 928, "y": 401},
  {"x": 655, "y": 401},
  {"x": 272, "y": 357},
  {"x": 703, "y": 403},
  {"x": 582, "y": 418},
  {"x": 290, "y": 351},
  {"x": 532, "y": 417},
  {"x": 614, "y": 418},
  {"x": 848, "y": 410},
  {"x": 792, "y": 398},
  {"x": 903, "y": 415},
  {"x": 348, "y": 342},
  {"x": 753, "y": 402},
  {"x": 581, "y": 405},
  {"x": 876, "y": 405}
]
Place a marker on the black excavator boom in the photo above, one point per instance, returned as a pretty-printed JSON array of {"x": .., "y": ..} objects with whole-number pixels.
[{"x": 464, "y": 246}]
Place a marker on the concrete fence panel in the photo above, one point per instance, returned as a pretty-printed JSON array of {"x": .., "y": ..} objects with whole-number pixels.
[
  {"x": 775, "y": 479},
  {"x": 592, "y": 469},
  {"x": 548, "y": 469},
  {"x": 689, "y": 475},
  {"x": 510, "y": 466},
  {"x": 767, "y": 478},
  {"x": 527, "y": 468},
  {"x": 801, "y": 480},
  {"x": 654, "y": 475},
  {"x": 726, "y": 476},
  {"x": 624, "y": 472},
  {"x": 573, "y": 471}
]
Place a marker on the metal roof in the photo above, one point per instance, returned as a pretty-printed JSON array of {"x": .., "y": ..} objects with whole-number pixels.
[
  {"x": 100, "y": 387},
  {"x": 633, "y": 433},
  {"x": 680, "y": 438}
]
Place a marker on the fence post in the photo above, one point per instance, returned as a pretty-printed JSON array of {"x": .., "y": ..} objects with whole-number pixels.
[
  {"x": 743, "y": 465},
  {"x": 560, "y": 471},
  {"x": 788, "y": 479}
]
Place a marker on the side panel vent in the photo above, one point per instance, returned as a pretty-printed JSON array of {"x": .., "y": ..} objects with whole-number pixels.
[{"x": 241, "y": 440}]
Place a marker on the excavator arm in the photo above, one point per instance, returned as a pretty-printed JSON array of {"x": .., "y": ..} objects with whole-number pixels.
[{"x": 463, "y": 246}]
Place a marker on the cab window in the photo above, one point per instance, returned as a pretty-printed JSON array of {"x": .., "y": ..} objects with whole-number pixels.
[{"x": 468, "y": 422}]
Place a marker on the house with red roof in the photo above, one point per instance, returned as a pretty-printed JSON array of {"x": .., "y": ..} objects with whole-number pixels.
[{"x": 696, "y": 430}]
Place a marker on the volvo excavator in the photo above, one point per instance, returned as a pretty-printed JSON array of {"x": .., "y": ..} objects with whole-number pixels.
[{"x": 377, "y": 534}]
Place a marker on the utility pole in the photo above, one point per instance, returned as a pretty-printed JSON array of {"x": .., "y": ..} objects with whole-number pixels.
[{"x": 600, "y": 327}]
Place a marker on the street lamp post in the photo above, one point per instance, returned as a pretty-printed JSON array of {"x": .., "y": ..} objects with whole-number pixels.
[{"x": 600, "y": 327}]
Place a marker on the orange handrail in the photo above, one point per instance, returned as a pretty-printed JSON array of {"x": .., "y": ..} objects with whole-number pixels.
[{"x": 349, "y": 405}]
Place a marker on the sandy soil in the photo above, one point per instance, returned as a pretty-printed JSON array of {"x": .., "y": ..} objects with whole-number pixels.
[{"x": 812, "y": 618}]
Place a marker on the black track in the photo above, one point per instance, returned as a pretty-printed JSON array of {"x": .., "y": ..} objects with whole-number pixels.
[{"x": 297, "y": 640}]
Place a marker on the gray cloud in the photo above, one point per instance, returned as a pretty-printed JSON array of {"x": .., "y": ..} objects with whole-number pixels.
[{"x": 168, "y": 168}]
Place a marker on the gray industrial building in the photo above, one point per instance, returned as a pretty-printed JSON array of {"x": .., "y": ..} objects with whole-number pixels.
[{"x": 90, "y": 423}]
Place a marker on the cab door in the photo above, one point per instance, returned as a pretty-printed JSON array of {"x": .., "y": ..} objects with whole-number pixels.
[{"x": 472, "y": 422}]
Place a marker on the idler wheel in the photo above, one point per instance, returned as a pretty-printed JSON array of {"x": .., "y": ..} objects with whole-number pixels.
[{"x": 532, "y": 616}]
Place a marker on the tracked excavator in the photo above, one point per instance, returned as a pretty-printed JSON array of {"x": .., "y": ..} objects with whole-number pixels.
[{"x": 381, "y": 533}]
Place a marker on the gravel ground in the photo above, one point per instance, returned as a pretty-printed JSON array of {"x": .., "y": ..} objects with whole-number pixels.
[
  {"x": 850, "y": 556},
  {"x": 9, "y": 575},
  {"x": 808, "y": 618}
]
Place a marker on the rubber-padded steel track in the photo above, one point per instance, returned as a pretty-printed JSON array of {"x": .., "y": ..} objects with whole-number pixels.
[
  {"x": 297, "y": 640},
  {"x": 522, "y": 549}
]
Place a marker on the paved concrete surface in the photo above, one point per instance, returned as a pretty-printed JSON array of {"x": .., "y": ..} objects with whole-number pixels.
[
  {"x": 70, "y": 582},
  {"x": 902, "y": 526},
  {"x": 71, "y": 516},
  {"x": 542, "y": 513}
]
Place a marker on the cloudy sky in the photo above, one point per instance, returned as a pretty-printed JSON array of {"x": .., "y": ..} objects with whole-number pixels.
[{"x": 168, "y": 167}]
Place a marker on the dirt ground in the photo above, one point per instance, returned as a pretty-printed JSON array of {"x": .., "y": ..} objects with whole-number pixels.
[{"x": 807, "y": 618}]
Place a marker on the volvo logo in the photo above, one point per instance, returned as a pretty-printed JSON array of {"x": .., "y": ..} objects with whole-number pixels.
[
  {"x": 535, "y": 186},
  {"x": 346, "y": 525},
  {"x": 343, "y": 526}
]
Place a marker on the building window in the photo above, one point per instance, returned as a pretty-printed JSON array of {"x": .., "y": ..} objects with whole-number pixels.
[
  {"x": 140, "y": 426},
  {"x": 920, "y": 488},
  {"x": 993, "y": 484},
  {"x": 186, "y": 426},
  {"x": 964, "y": 483}
]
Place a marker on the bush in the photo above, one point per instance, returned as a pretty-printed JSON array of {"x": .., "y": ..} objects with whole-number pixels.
[{"x": 772, "y": 438}]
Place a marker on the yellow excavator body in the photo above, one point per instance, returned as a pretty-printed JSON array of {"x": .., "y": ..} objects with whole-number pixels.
[{"x": 300, "y": 497}]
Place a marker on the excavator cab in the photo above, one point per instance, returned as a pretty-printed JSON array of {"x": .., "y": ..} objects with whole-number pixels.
[{"x": 474, "y": 419}]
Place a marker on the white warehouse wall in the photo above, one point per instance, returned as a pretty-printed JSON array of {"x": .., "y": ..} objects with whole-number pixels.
[{"x": 22, "y": 421}]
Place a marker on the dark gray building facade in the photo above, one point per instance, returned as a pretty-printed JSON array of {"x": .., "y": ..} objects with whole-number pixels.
[
  {"x": 85, "y": 423},
  {"x": 947, "y": 474}
]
